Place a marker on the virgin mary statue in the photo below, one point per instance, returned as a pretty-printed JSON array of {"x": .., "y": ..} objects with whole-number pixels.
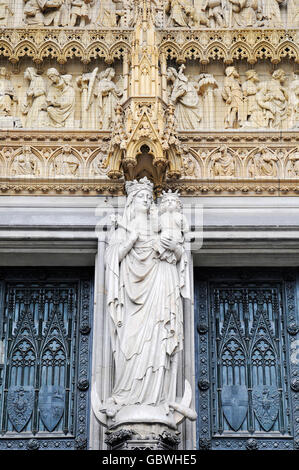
[{"x": 144, "y": 301}]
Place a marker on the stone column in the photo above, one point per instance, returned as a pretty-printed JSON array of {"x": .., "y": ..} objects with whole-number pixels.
[
  {"x": 163, "y": 77},
  {"x": 126, "y": 76},
  {"x": 188, "y": 436},
  {"x": 101, "y": 351}
]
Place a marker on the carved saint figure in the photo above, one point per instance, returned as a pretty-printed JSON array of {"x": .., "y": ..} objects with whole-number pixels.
[
  {"x": 103, "y": 95},
  {"x": 268, "y": 14},
  {"x": 293, "y": 13},
  {"x": 46, "y": 12},
  {"x": 263, "y": 164},
  {"x": 60, "y": 100},
  {"x": 216, "y": 13},
  {"x": 147, "y": 278},
  {"x": 5, "y": 12},
  {"x": 181, "y": 13},
  {"x": 242, "y": 13},
  {"x": 233, "y": 96},
  {"x": 251, "y": 107},
  {"x": 223, "y": 163},
  {"x": 294, "y": 165},
  {"x": 66, "y": 164},
  {"x": 206, "y": 85},
  {"x": 25, "y": 164},
  {"x": 190, "y": 167},
  {"x": 7, "y": 93},
  {"x": 97, "y": 166},
  {"x": 34, "y": 106},
  {"x": 294, "y": 101},
  {"x": 273, "y": 99},
  {"x": 184, "y": 97},
  {"x": 110, "y": 17},
  {"x": 80, "y": 12}
]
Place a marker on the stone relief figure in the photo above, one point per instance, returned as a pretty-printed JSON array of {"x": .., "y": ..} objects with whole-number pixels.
[
  {"x": 5, "y": 12},
  {"x": 294, "y": 101},
  {"x": 206, "y": 85},
  {"x": 293, "y": 169},
  {"x": 181, "y": 13},
  {"x": 80, "y": 12},
  {"x": 66, "y": 164},
  {"x": 25, "y": 164},
  {"x": 102, "y": 98},
  {"x": 263, "y": 163},
  {"x": 223, "y": 163},
  {"x": 293, "y": 13},
  {"x": 111, "y": 17},
  {"x": 46, "y": 12},
  {"x": 190, "y": 167},
  {"x": 251, "y": 107},
  {"x": 233, "y": 96},
  {"x": 107, "y": 17},
  {"x": 268, "y": 14},
  {"x": 34, "y": 106},
  {"x": 60, "y": 100},
  {"x": 273, "y": 100},
  {"x": 146, "y": 322},
  {"x": 184, "y": 97},
  {"x": 7, "y": 93},
  {"x": 216, "y": 13},
  {"x": 242, "y": 13},
  {"x": 98, "y": 164},
  {"x": 173, "y": 224}
]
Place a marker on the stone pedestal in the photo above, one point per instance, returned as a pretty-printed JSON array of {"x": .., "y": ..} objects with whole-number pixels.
[{"x": 143, "y": 437}]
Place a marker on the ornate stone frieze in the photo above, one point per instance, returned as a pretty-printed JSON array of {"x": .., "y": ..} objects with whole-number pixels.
[
  {"x": 237, "y": 163},
  {"x": 110, "y": 44},
  {"x": 64, "y": 44},
  {"x": 229, "y": 45}
]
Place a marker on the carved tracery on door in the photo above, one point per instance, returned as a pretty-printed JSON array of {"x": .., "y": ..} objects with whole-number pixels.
[
  {"x": 44, "y": 375},
  {"x": 243, "y": 361}
]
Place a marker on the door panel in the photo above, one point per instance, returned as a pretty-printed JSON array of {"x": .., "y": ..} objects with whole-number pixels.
[
  {"x": 45, "y": 318},
  {"x": 245, "y": 397}
]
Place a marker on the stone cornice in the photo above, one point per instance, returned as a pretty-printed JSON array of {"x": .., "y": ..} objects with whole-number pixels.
[
  {"x": 64, "y": 44},
  {"x": 179, "y": 44},
  {"x": 228, "y": 45},
  {"x": 82, "y": 152}
]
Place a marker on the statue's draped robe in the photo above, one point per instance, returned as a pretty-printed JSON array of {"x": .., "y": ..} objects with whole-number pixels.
[
  {"x": 187, "y": 111},
  {"x": 64, "y": 95},
  {"x": 36, "y": 115},
  {"x": 144, "y": 297},
  {"x": 108, "y": 97}
]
